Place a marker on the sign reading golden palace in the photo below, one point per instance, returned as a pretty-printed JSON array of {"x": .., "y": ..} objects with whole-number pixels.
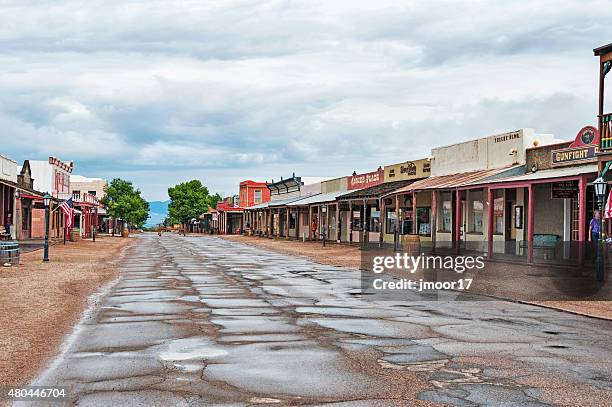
[
  {"x": 366, "y": 180},
  {"x": 582, "y": 149}
]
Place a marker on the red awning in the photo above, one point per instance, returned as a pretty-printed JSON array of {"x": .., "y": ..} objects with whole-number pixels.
[{"x": 26, "y": 196}]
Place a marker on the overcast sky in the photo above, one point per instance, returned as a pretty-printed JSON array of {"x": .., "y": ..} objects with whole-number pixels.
[{"x": 159, "y": 92}]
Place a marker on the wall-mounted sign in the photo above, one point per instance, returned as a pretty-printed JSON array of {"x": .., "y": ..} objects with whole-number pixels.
[
  {"x": 587, "y": 136},
  {"x": 407, "y": 170},
  {"x": 564, "y": 190},
  {"x": 566, "y": 156},
  {"x": 506, "y": 137},
  {"x": 369, "y": 179}
]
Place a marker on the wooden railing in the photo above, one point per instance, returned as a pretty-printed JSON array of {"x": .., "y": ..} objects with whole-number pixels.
[{"x": 606, "y": 131}]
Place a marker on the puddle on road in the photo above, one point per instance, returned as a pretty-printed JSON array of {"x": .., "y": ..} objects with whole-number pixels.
[
  {"x": 371, "y": 327},
  {"x": 291, "y": 368},
  {"x": 196, "y": 348}
]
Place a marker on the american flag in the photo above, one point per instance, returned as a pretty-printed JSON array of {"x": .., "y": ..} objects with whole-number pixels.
[
  {"x": 608, "y": 208},
  {"x": 67, "y": 208}
]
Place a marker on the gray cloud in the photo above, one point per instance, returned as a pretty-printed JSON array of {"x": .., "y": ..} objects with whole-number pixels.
[{"x": 162, "y": 91}]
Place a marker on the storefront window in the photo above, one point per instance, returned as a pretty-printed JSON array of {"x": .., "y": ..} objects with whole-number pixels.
[
  {"x": 447, "y": 210},
  {"x": 424, "y": 221},
  {"x": 498, "y": 211},
  {"x": 477, "y": 209},
  {"x": 406, "y": 216},
  {"x": 356, "y": 219},
  {"x": 390, "y": 220},
  {"x": 374, "y": 220},
  {"x": 292, "y": 220}
]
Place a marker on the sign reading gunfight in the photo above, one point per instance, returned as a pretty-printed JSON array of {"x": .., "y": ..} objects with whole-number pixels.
[
  {"x": 572, "y": 155},
  {"x": 583, "y": 148}
]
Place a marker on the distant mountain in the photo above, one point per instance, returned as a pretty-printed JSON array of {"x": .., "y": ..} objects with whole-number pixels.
[{"x": 158, "y": 211}]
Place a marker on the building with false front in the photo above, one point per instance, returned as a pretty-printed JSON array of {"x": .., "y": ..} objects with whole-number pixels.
[
  {"x": 89, "y": 213},
  {"x": 253, "y": 193},
  {"x": 52, "y": 176},
  {"x": 230, "y": 219},
  {"x": 8, "y": 189},
  {"x": 518, "y": 194},
  {"x": 29, "y": 207}
]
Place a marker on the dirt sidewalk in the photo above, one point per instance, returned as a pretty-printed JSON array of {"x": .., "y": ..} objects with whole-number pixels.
[
  {"x": 40, "y": 302},
  {"x": 350, "y": 256}
]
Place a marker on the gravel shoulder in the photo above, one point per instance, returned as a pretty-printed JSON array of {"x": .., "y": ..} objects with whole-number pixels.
[
  {"x": 40, "y": 302},
  {"x": 349, "y": 256}
]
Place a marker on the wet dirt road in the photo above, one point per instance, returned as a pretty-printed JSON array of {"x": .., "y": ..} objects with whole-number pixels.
[{"x": 205, "y": 321}]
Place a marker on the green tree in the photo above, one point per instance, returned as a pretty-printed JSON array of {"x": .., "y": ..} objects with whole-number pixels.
[
  {"x": 214, "y": 199},
  {"x": 124, "y": 202},
  {"x": 189, "y": 200}
]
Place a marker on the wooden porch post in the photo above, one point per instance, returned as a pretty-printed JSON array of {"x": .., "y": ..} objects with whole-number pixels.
[
  {"x": 433, "y": 226},
  {"x": 397, "y": 232},
  {"x": 310, "y": 222},
  {"x": 381, "y": 207},
  {"x": 364, "y": 224},
  {"x": 582, "y": 238},
  {"x": 327, "y": 228},
  {"x": 319, "y": 231},
  {"x": 297, "y": 223},
  {"x": 287, "y": 222},
  {"x": 490, "y": 222},
  {"x": 338, "y": 223},
  {"x": 530, "y": 216},
  {"x": 350, "y": 217},
  {"x": 414, "y": 214},
  {"x": 458, "y": 219}
]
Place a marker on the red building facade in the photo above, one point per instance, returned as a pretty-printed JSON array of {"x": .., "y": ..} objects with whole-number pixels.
[{"x": 253, "y": 193}]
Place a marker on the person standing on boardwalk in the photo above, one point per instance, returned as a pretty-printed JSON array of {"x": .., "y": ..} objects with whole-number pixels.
[{"x": 594, "y": 227}]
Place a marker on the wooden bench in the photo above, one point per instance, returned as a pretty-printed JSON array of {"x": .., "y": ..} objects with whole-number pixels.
[{"x": 546, "y": 243}]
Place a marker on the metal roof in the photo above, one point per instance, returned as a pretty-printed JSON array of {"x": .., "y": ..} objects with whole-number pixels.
[
  {"x": 258, "y": 206},
  {"x": 561, "y": 172},
  {"x": 318, "y": 198},
  {"x": 457, "y": 180},
  {"x": 283, "y": 202}
]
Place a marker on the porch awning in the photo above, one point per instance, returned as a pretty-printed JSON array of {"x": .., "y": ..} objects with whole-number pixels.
[
  {"x": 451, "y": 181},
  {"x": 543, "y": 175},
  {"x": 377, "y": 191},
  {"x": 258, "y": 206},
  {"x": 318, "y": 198},
  {"x": 283, "y": 202}
]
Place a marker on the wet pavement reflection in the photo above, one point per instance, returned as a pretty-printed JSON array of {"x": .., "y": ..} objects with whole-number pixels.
[{"x": 204, "y": 321}]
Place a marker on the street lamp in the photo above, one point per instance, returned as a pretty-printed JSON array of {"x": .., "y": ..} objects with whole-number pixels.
[
  {"x": 47, "y": 202},
  {"x": 600, "y": 185}
]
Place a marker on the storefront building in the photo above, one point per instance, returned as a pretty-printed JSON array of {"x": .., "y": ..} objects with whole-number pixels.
[
  {"x": 253, "y": 193},
  {"x": 542, "y": 214},
  {"x": 402, "y": 215},
  {"x": 29, "y": 207},
  {"x": 8, "y": 188},
  {"x": 86, "y": 194},
  {"x": 230, "y": 217},
  {"x": 456, "y": 165},
  {"x": 53, "y": 177},
  {"x": 273, "y": 218}
]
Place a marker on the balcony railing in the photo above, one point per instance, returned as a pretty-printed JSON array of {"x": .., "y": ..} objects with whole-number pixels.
[{"x": 606, "y": 131}]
